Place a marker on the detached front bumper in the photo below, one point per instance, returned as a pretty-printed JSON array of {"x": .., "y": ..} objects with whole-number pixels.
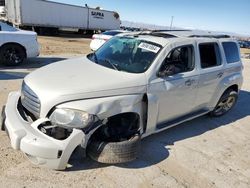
[{"x": 40, "y": 148}]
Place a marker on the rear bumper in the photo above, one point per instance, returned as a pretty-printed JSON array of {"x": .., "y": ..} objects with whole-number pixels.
[
  {"x": 40, "y": 148},
  {"x": 33, "y": 50}
]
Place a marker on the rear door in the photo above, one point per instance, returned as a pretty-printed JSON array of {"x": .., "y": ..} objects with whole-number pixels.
[{"x": 211, "y": 68}]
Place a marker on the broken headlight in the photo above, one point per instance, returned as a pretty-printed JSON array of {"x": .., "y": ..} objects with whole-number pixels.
[{"x": 70, "y": 118}]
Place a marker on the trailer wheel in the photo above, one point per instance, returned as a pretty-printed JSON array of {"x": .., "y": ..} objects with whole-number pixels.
[
  {"x": 114, "y": 152},
  {"x": 12, "y": 54}
]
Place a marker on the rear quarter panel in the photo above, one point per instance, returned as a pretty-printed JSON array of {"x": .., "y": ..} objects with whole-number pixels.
[
  {"x": 232, "y": 75},
  {"x": 28, "y": 41}
]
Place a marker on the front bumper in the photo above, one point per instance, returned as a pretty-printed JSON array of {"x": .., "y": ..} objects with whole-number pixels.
[{"x": 40, "y": 148}]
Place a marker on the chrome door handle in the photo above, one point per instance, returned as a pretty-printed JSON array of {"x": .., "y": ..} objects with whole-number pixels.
[
  {"x": 188, "y": 82},
  {"x": 219, "y": 75}
]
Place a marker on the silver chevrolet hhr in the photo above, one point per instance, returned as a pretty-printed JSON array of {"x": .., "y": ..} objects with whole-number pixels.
[{"x": 135, "y": 85}]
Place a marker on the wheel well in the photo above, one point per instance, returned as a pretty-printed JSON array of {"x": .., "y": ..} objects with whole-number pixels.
[
  {"x": 17, "y": 44},
  {"x": 233, "y": 87},
  {"x": 118, "y": 127}
]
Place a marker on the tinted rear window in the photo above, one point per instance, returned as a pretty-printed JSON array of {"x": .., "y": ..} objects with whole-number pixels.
[
  {"x": 2, "y": 3},
  {"x": 231, "y": 52},
  {"x": 112, "y": 33},
  {"x": 209, "y": 55}
]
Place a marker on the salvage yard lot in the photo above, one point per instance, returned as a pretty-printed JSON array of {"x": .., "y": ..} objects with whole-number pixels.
[
  {"x": 245, "y": 50},
  {"x": 66, "y": 44},
  {"x": 205, "y": 152}
]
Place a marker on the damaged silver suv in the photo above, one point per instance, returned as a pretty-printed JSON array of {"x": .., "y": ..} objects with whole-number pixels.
[{"x": 135, "y": 85}]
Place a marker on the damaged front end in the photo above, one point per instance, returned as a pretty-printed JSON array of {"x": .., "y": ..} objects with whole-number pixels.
[
  {"x": 50, "y": 141},
  {"x": 44, "y": 143}
]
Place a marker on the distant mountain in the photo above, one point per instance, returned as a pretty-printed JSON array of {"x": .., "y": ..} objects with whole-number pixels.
[
  {"x": 159, "y": 27},
  {"x": 145, "y": 26}
]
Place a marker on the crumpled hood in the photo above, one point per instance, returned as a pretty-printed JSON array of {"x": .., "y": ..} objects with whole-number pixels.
[{"x": 80, "y": 78}]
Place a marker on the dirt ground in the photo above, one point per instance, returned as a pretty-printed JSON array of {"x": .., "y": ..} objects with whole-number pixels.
[
  {"x": 204, "y": 152},
  {"x": 245, "y": 51},
  {"x": 69, "y": 45}
]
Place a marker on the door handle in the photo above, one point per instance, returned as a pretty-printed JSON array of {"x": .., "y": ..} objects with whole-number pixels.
[
  {"x": 219, "y": 75},
  {"x": 188, "y": 82}
]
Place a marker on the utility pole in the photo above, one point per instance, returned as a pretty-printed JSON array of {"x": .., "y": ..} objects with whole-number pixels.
[{"x": 171, "y": 24}]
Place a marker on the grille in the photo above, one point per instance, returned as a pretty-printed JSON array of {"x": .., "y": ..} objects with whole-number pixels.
[{"x": 30, "y": 100}]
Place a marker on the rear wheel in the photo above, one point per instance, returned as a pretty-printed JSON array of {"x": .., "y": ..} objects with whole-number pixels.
[
  {"x": 12, "y": 54},
  {"x": 225, "y": 104}
]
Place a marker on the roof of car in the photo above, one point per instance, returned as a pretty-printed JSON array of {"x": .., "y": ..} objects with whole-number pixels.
[
  {"x": 117, "y": 30},
  {"x": 163, "y": 37}
]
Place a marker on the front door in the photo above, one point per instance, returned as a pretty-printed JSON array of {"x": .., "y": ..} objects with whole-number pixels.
[{"x": 176, "y": 85}]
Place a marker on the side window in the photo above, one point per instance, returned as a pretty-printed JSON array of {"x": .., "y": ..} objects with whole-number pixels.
[
  {"x": 231, "y": 52},
  {"x": 112, "y": 33},
  {"x": 209, "y": 55},
  {"x": 2, "y": 3},
  {"x": 6, "y": 27},
  {"x": 179, "y": 60}
]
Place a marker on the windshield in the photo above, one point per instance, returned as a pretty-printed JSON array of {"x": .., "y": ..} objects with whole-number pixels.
[
  {"x": 127, "y": 54},
  {"x": 112, "y": 33},
  {"x": 6, "y": 27}
]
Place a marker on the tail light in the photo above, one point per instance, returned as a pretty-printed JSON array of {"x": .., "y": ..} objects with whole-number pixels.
[{"x": 106, "y": 39}]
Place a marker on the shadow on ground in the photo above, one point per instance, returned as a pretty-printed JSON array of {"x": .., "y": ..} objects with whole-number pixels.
[
  {"x": 12, "y": 73},
  {"x": 69, "y": 34},
  {"x": 154, "y": 149}
]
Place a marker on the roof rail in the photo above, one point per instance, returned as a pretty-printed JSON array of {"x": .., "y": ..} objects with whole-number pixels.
[
  {"x": 156, "y": 34},
  {"x": 164, "y": 35},
  {"x": 211, "y": 36},
  {"x": 181, "y": 33},
  {"x": 169, "y": 30}
]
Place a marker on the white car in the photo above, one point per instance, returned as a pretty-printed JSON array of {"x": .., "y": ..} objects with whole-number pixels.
[
  {"x": 16, "y": 45},
  {"x": 135, "y": 85},
  {"x": 99, "y": 39}
]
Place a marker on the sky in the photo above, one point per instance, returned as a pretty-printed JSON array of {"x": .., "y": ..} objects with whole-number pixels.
[{"x": 215, "y": 15}]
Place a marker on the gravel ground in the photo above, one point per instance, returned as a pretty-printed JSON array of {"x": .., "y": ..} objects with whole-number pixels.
[
  {"x": 204, "y": 152},
  {"x": 64, "y": 45}
]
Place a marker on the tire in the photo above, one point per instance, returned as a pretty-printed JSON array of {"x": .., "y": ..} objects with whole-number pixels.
[
  {"x": 114, "y": 152},
  {"x": 2, "y": 119},
  {"x": 12, "y": 54},
  {"x": 225, "y": 104}
]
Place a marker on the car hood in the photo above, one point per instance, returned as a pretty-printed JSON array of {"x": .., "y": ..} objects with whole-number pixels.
[{"x": 80, "y": 78}]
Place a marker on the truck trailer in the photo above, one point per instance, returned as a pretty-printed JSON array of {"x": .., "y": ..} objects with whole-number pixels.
[
  {"x": 44, "y": 16},
  {"x": 2, "y": 9}
]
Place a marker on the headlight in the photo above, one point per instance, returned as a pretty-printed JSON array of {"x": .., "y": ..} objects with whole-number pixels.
[{"x": 70, "y": 118}]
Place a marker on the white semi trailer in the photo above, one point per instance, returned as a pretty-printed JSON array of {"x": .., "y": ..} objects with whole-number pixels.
[
  {"x": 44, "y": 16},
  {"x": 2, "y": 9}
]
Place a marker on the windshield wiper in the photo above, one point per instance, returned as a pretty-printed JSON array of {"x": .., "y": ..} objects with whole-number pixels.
[{"x": 112, "y": 64}]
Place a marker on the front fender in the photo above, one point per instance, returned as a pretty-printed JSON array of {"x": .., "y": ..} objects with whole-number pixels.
[{"x": 107, "y": 106}]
